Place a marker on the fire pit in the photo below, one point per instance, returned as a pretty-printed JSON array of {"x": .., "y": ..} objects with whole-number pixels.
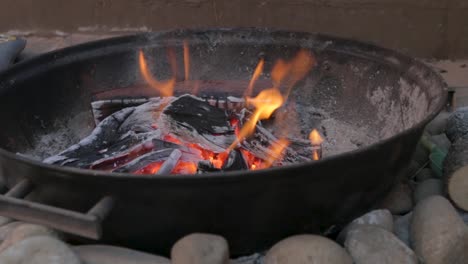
[{"x": 342, "y": 120}]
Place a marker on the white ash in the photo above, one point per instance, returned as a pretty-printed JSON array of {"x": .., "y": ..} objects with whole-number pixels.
[{"x": 341, "y": 137}]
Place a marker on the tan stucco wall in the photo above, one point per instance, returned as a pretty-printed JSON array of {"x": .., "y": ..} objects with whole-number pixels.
[{"x": 423, "y": 28}]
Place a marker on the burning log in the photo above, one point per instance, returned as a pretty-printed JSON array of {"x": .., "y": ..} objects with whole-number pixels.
[
  {"x": 192, "y": 120},
  {"x": 177, "y": 133},
  {"x": 456, "y": 172},
  {"x": 170, "y": 163},
  {"x": 104, "y": 108},
  {"x": 100, "y": 138},
  {"x": 235, "y": 161}
]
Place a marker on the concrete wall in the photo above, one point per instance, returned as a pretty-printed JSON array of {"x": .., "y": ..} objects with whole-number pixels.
[{"x": 423, "y": 28}]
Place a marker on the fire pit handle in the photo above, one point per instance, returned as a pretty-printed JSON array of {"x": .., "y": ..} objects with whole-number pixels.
[{"x": 82, "y": 224}]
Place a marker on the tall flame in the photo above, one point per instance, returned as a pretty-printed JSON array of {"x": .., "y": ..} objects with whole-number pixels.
[
  {"x": 186, "y": 60},
  {"x": 165, "y": 88},
  {"x": 291, "y": 72},
  {"x": 258, "y": 71},
  {"x": 266, "y": 102},
  {"x": 277, "y": 151}
]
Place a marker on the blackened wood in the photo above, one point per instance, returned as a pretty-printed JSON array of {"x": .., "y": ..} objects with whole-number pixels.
[
  {"x": 206, "y": 166},
  {"x": 104, "y": 108},
  {"x": 145, "y": 160},
  {"x": 235, "y": 161},
  {"x": 101, "y": 138},
  {"x": 190, "y": 111},
  {"x": 193, "y": 120},
  {"x": 261, "y": 143}
]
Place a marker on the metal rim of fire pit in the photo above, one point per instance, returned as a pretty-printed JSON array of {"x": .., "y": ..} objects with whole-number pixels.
[{"x": 115, "y": 42}]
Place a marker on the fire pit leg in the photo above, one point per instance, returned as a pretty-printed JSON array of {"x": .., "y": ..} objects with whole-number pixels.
[{"x": 86, "y": 225}]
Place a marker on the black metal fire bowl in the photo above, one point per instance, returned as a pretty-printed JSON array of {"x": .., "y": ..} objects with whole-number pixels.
[{"x": 390, "y": 94}]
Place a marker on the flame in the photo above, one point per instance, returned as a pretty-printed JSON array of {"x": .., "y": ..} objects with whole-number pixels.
[
  {"x": 315, "y": 138},
  {"x": 165, "y": 88},
  {"x": 316, "y": 141},
  {"x": 253, "y": 162},
  {"x": 315, "y": 155},
  {"x": 277, "y": 150},
  {"x": 258, "y": 71},
  {"x": 279, "y": 72},
  {"x": 266, "y": 102},
  {"x": 186, "y": 60},
  {"x": 289, "y": 73}
]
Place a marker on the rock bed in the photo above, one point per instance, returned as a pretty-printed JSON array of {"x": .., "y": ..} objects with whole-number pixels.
[{"x": 416, "y": 223}]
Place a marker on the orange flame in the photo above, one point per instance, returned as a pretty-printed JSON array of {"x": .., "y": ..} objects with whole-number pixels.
[
  {"x": 293, "y": 71},
  {"x": 186, "y": 60},
  {"x": 315, "y": 155},
  {"x": 315, "y": 138},
  {"x": 279, "y": 72},
  {"x": 316, "y": 141},
  {"x": 266, "y": 102},
  {"x": 165, "y": 88},
  {"x": 277, "y": 151},
  {"x": 258, "y": 71}
]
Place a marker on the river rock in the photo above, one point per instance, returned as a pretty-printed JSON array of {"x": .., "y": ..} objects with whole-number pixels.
[
  {"x": 427, "y": 188},
  {"x": 104, "y": 254},
  {"x": 425, "y": 174},
  {"x": 5, "y": 220},
  {"x": 307, "y": 249},
  {"x": 7, "y": 228},
  {"x": 438, "y": 124},
  {"x": 441, "y": 141},
  {"x": 371, "y": 244},
  {"x": 398, "y": 200},
  {"x": 23, "y": 231},
  {"x": 457, "y": 124},
  {"x": 381, "y": 218},
  {"x": 39, "y": 250},
  {"x": 200, "y": 249},
  {"x": 401, "y": 227},
  {"x": 420, "y": 157},
  {"x": 437, "y": 231}
]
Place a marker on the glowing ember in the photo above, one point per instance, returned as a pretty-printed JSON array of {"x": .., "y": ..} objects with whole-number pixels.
[
  {"x": 285, "y": 74},
  {"x": 165, "y": 88}
]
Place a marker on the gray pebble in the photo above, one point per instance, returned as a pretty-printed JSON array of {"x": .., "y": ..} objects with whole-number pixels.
[
  {"x": 425, "y": 174},
  {"x": 437, "y": 231},
  {"x": 307, "y": 249},
  {"x": 200, "y": 249},
  {"x": 438, "y": 124},
  {"x": 381, "y": 218},
  {"x": 399, "y": 200},
  {"x": 401, "y": 227},
  {"x": 427, "y": 188},
  {"x": 39, "y": 250},
  {"x": 24, "y": 231},
  {"x": 441, "y": 141},
  {"x": 370, "y": 244},
  {"x": 104, "y": 254}
]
